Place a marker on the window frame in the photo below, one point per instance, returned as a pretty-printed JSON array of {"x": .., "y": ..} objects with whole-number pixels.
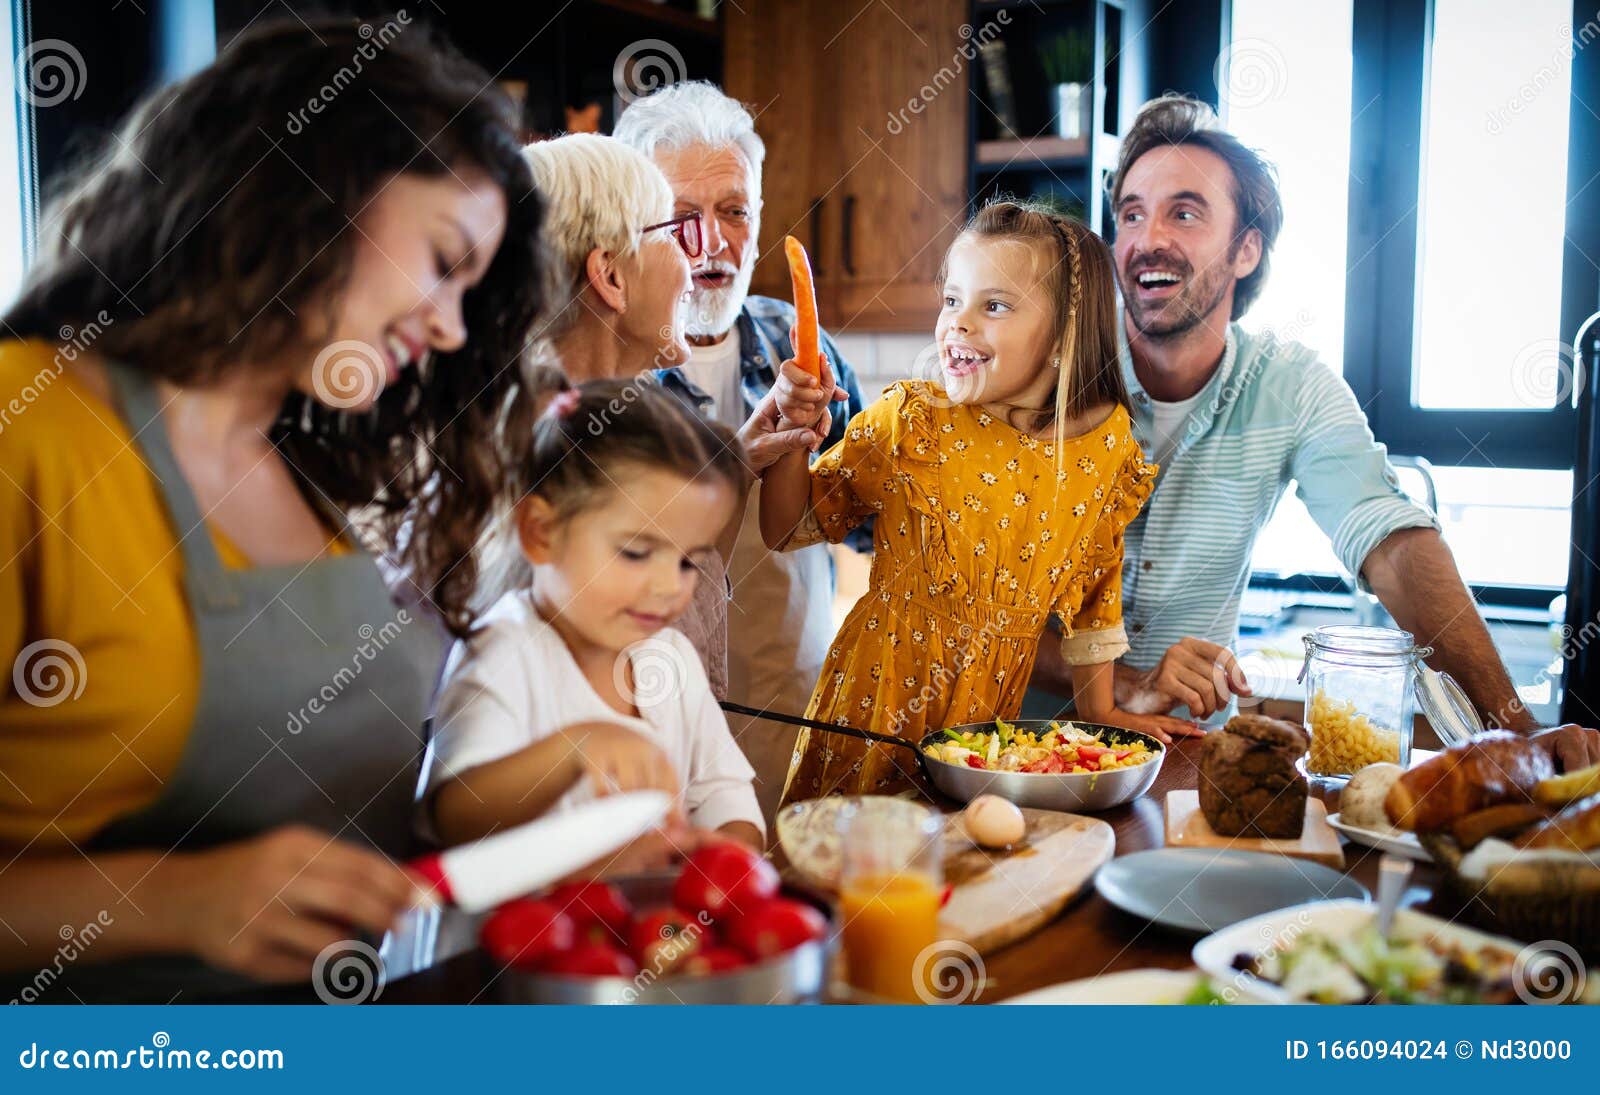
[{"x": 1391, "y": 46}]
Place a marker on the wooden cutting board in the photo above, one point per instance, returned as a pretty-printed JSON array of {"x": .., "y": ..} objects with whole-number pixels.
[
  {"x": 1187, "y": 828},
  {"x": 1001, "y": 896}
]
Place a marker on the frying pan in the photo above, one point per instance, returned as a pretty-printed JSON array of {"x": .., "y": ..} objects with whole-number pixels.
[{"x": 1070, "y": 791}]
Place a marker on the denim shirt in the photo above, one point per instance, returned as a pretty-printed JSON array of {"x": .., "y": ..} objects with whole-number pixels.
[{"x": 763, "y": 328}]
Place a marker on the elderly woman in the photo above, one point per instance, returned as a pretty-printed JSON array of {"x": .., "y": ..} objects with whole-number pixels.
[{"x": 622, "y": 275}]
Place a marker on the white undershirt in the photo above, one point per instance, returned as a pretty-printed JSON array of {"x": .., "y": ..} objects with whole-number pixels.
[
  {"x": 715, "y": 371},
  {"x": 1166, "y": 429}
]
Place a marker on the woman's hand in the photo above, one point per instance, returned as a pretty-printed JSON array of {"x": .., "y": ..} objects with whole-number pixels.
[
  {"x": 266, "y": 907},
  {"x": 766, "y": 437},
  {"x": 615, "y": 759}
]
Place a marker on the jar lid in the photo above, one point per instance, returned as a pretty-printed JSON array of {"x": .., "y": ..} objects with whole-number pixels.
[
  {"x": 1446, "y": 706},
  {"x": 1377, "y": 642}
]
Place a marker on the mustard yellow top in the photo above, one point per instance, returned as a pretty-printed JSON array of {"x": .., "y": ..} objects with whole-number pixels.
[
  {"x": 98, "y": 650},
  {"x": 981, "y": 534}
]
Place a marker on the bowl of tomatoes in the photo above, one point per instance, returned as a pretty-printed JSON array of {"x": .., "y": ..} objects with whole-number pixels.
[{"x": 721, "y": 930}]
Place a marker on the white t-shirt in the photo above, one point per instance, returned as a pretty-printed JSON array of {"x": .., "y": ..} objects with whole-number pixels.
[
  {"x": 1167, "y": 428},
  {"x": 715, "y": 371},
  {"x": 514, "y": 682}
]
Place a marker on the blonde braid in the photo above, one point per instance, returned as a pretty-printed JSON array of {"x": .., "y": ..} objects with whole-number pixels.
[{"x": 1066, "y": 348}]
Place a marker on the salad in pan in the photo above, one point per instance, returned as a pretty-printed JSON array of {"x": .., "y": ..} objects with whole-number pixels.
[{"x": 1065, "y": 747}]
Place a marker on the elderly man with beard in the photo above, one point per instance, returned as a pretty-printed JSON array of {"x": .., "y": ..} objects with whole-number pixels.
[
  {"x": 1231, "y": 416},
  {"x": 780, "y": 615}
]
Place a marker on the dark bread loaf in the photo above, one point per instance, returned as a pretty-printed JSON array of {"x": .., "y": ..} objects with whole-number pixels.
[{"x": 1250, "y": 784}]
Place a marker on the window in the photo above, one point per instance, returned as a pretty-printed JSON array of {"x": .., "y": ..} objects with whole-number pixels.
[
  {"x": 1287, "y": 93},
  {"x": 1434, "y": 246},
  {"x": 1494, "y": 206},
  {"x": 15, "y": 163}
]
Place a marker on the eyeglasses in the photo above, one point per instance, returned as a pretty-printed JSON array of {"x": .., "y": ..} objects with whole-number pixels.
[{"x": 686, "y": 230}]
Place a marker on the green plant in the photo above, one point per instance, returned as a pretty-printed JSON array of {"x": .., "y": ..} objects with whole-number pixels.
[{"x": 1068, "y": 57}]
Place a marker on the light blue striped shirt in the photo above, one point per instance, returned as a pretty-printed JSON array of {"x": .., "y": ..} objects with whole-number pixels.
[{"x": 1271, "y": 413}]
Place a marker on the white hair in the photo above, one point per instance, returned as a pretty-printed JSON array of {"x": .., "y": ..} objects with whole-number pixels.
[
  {"x": 689, "y": 113},
  {"x": 598, "y": 192}
]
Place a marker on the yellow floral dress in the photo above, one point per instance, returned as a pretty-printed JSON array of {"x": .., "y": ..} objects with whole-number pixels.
[{"x": 981, "y": 533}]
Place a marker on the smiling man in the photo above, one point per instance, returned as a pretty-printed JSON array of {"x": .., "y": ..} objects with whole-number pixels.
[
  {"x": 1232, "y": 416},
  {"x": 780, "y": 614}
]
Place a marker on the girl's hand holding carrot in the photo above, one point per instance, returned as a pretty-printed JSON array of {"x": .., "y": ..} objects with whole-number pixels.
[{"x": 803, "y": 399}]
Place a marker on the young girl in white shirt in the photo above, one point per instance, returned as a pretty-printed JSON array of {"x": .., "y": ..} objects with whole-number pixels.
[{"x": 579, "y": 685}]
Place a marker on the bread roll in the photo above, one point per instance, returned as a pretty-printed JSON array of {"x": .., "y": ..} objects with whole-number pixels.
[
  {"x": 1575, "y": 829},
  {"x": 1490, "y": 769}
]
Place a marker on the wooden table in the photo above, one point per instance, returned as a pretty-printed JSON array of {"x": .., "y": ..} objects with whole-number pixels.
[{"x": 1091, "y": 937}]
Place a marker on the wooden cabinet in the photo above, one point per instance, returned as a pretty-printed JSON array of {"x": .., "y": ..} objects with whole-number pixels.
[{"x": 864, "y": 113}]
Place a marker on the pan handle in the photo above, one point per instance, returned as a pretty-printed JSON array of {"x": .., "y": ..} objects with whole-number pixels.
[{"x": 814, "y": 724}]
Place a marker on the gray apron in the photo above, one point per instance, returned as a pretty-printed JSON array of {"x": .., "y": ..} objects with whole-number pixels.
[{"x": 314, "y": 686}]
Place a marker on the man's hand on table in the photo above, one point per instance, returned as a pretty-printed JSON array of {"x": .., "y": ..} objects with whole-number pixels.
[
  {"x": 1570, "y": 746},
  {"x": 1202, "y": 676}
]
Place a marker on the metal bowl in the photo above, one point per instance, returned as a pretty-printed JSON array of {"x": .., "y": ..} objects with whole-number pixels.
[
  {"x": 795, "y": 977},
  {"x": 1069, "y": 791}
]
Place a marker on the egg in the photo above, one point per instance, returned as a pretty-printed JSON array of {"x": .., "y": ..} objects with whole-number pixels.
[{"x": 993, "y": 822}]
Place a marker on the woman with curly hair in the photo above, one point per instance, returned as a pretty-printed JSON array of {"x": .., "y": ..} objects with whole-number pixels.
[{"x": 292, "y": 293}]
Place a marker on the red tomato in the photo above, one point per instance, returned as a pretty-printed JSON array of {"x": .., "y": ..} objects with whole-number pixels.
[
  {"x": 975, "y": 761},
  {"x": 525, "y": 932},
  {"x": 725, "y": 879},
  {"x": 714, "y": 959},
  {"x": 590, "y": 959},
  {"x": 599, "y": 910},
  {"x": 662, "y": 939},
  {"x": 776, "y": 926}
]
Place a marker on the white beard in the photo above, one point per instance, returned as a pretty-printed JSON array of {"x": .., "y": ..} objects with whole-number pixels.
[{"x": 712, "y": 312}]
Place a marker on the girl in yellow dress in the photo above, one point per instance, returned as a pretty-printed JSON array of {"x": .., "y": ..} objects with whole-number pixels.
[{"x": 1000, "y": 495}]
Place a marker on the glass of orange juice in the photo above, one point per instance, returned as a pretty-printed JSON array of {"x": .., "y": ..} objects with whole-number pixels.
[{"x": 889, "y": 890}]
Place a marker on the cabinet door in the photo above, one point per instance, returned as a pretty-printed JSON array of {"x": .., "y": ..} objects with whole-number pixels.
[
  {"x": 902, "y": 157},
  {"x": 770, "y": 65},
  {"x": 864, "y": 113}
]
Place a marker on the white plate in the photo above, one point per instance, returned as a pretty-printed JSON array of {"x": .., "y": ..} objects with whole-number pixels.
[
  {"x": 1399, "y": 841},
  {"x": 1127, "y": 987},
  {"x": 1338, "y": 919}
]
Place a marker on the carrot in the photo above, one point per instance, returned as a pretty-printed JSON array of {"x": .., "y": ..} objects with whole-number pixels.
[{"x": 806, "y": 341}]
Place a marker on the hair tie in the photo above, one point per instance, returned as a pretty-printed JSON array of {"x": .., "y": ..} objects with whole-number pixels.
[{"x": 563, "y": 403}]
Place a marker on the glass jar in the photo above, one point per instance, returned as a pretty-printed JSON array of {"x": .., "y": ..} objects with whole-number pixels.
[{"x": 1360, "y": 687}]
